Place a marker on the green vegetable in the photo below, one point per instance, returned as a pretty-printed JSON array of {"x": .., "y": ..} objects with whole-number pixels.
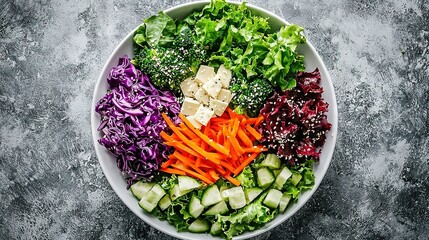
[{"x": 246, "y": 178}]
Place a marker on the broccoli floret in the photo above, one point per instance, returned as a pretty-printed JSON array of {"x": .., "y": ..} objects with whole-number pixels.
[
  {"x": 168, "y": 66},
  {"x": 250, "y": 97}
]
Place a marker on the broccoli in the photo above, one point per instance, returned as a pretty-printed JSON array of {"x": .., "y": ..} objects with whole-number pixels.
[
  {"x": 168, "y": 66},
  {"x": 250, "y": 96}
]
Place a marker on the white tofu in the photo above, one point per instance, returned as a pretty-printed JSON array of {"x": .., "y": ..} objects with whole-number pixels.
[
  {"x": 218, "y": 106},
  {"x": 194, "y": 122},
  {"x": 224, "y": 75},
  {"x": 213, "y": 87},
  {"x": 204, "y": 74},
  {"x": 203, "y": 115},
  {"x": 224, "y": 96},
  {"x": 202, "y": 96},
  {"x": 189, "y": 106},
  {"x": 189, "y": 87}
]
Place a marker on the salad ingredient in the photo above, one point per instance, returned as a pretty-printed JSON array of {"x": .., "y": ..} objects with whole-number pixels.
[
  {"x": 271, "y": 161},
  {"x": 150, "y": 200},
  {"x": 206, "y": 94},
  {"x": 252, "y": 193},
  {"x": 165, "y": 202},
  {"x": 140, "y": 188},
  {"x": 199, "y": 226},
  {"x": 236, "y": 197},
  {"x": 187, "y": 183},
  {"x": 282, "y": 177},
  {"x": 246, "y": 178},
  {"x": 265, "y": 177},
  {"x": 272, "y": 199},
  {"x": 218, "y": 208},
  {"x": 218, "y": 150},
  {"x": 195, "y": 207},
  {"x": 295, "y": 121},
  {"x": 131, "y": 121},
  {"x": 284, "y": 201},
  {"x": 168, "y": 54},
  {"x": 211, "y": 196}
]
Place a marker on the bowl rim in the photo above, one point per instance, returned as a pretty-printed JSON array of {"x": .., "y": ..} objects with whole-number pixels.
[{"x": 333, "y": 131}]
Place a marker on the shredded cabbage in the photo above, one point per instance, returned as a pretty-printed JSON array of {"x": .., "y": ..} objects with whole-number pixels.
[{"x": 131, "y": 121}]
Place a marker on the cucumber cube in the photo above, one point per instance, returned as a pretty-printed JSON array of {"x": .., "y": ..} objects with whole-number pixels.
[
  {"x": 296, "y": 177},
  {"x": 282, "y": 178},
  {"x": 272, "y": 199},
  {"x": 251, "y": 194},
  {"x": 284, "y": 201},
  {"x": 271, "y": 161},
  {"x": 236, "y": 197},
  {"x": 219, "y": 208},
  {"x": 139, "y": 189},
  {"x": 211, "y": 196},
  {"x": 155, "y": 194},
  {"x": 265, "y": 177},
  {"x": 165, "y": 202},
  {"x": 187, "y": 183},
  {"x": 216, "y": 229},
  {"x": 199, "y": 226}
]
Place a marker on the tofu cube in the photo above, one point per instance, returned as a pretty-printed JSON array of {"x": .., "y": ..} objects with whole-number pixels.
[
  {"x": 224, "y": 75},
  {"x": 213, "y": 87},
  {"x": 202, "y": 96},
  {"x": 218, "y": 106},
  {"x": 189, "y": 87},
  {"x": 224, "y": 96},
  {"x": 189, "y": 106},
  {"x": 194, "y": 122},
  {"x": 204, "y": 74},
  {"x": 203, "y": 115}
]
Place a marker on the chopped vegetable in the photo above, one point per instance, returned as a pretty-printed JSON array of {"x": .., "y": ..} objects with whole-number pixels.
[{"x": 131, "y": 121}]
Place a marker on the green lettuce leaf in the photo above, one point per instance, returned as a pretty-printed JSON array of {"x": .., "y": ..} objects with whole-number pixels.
[
  {"x": 156, "y": 30},
  {"x": 246, "y": 178}
]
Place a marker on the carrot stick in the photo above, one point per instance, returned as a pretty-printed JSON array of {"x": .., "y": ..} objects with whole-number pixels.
[
  {"x": 246, "y": 162},
  {"x": 172, "y": 171},
  {"x": 253, "y": 132},
  {"x": 214, "y": 175},
  {"x": 187, "y": 141},
  {"x": 206, "y": 139},
  {"x": 227, "y": 166},
  {"x": 260, "y": 119},
  {"x": 168, "y": 162},
  {"x": 178, "y": 145},
  {"x": 232, "y": 180},
  {"x": 243, "y": 137},
  {"x": 234, "y": 143},
  {"x": 192, "y": 173},
  {"x": 235, "y": 127}
]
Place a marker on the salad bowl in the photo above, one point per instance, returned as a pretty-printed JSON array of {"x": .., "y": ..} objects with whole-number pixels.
[{"x": 118, "y": 181}]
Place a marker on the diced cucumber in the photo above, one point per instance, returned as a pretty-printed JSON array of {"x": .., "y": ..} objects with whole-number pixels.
[
  {"x": 272, "y": 199},
  {"x": 219, "y": 208},
  {"x": 165, "y": 202},
  {"x": 140, "y": 188},
  {"x": 236, "y": 197},
  {"x": 155, "y": 194},
  {"x": 216, "y": 229},
  {"x": 148, "y": 206},
  {"x": 195, "y": 207},
  {"x": 251, "y": 194},
  {"x": 175, "y": 192},
  {"x": 284, "y": 201},
  {"x": 282, "y": 178},
  {"x": 223, "y": 192},
  {"x": 211, "y": 196},
  {"x": 265, "y": 177},
  {"x": 296, "y": 177},
  {"x": 271, "y": 161},
  {"x": 276, "y": 172},
  {"x": 199, "y": 226},
  {"x": 187, "y": 183}
]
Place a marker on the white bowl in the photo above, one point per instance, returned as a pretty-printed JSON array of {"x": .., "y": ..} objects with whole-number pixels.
[{"x": 117, "y": 180}]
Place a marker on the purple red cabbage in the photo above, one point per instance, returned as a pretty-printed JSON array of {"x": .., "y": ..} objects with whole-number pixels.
[
  {"x": 131, "y": 121},
  {"x": 295, "y": 122}
]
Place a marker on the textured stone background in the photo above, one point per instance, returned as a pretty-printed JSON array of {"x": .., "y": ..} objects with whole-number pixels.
[{"x": 51, "y": 52}]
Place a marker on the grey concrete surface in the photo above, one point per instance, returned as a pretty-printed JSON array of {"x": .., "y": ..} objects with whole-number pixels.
[{"x": 51, "y": 185}]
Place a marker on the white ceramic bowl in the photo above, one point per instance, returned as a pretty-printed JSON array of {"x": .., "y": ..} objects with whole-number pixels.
[{"x": 117, "y": 180}]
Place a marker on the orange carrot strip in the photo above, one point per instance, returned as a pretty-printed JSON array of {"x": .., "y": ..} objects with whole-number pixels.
[
  {"x": 187, "y": 141},
  {"x": 260, "y": 119},
  {"x": 244, "y": 138},
  {"x": 193, "y": 174},
  {"x": 232, "y": 180},
  {"x": 253, "y": 132},
  {"x": 246, "y": 162},
  {"x": 252, "y": 120},
  {"x": 198, "y": 162},
  {"x": 172, "y": 171},
  {"x": 235, "y": 127},
  {"x": 178, "y": 145},
  {"x": 168, "y": 162},
  {"x": 206, "y": 139},
  {"x": 227, "y": 166},
  {"x": 255, "y": 149},
  {"x": 234, "y": 143},
  {"x": 214, "y": 175},
  {"x": 189, "y": 164}
]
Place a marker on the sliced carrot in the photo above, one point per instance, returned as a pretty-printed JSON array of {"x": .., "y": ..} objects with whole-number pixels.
[
  {"x": 235, "y": 126},
  {"x": 246, "y": 162},
  {"x": 253, "y": 132},
  {"x": 172, "y": 171},
  {"x": 206, "y": 139},
  {"x": 232, "y": 180},
  {"x": 193, "y": 174},
  {"x": 214, "y": 175},
  {"x": 260, "y": 119},
  {"x": 243, "y": 137},
  {"x": 168, "y": 162},
  {"x": 234, "y": 143}
]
